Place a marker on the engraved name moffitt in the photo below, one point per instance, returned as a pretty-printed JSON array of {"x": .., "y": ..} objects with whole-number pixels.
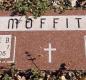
[{"x": 20, "y": 23}]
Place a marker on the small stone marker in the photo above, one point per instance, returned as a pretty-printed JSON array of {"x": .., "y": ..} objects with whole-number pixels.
[{"x": 5, "y": 46}]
